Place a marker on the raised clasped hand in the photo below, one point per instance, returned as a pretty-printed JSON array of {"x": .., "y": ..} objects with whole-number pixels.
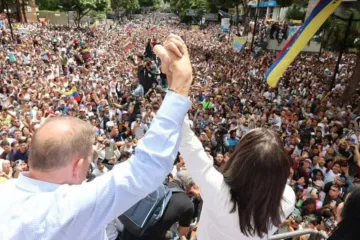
[{"x": 175, "y": 63}]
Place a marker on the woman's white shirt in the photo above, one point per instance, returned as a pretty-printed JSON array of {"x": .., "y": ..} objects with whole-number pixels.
[{"x": 216, "y": 221}]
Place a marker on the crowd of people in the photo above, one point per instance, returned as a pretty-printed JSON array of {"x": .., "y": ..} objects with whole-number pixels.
[{"x": 109, "y": 76}]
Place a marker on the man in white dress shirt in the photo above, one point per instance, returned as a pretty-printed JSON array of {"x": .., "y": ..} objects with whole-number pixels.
[{"x": 50, "y": 202}]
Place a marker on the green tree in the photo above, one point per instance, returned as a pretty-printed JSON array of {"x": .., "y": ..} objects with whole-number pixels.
[
  {"x": 183, "y": 5},
  {"x": 80, "y": 7},
  {"x": 150, "y": 3},
  {"x": 130, "y": 5},
  {"x": 337, "y": 41},
  {"x": 51, "y": 5},
  {"x": 296, "y": 12},
  {"x": 285, "y": 3}
]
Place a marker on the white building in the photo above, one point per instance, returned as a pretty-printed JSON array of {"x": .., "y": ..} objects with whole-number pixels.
[{"x": 268, "y": 9}]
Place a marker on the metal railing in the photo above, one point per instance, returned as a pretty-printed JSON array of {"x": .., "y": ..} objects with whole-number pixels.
[{"x": 314, "y": 235}]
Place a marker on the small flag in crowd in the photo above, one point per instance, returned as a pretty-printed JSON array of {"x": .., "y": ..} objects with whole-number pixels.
[
  {"x": 300, "y": 39},
  {"x": 238, "y": 43},
  {"x": 73, "y": 93},
  {"x": 94, "y": 25},
  {"x": 127, "y": 46},
  {"x": 85, "y": 53},
  {"x": 182, "y": 35}
]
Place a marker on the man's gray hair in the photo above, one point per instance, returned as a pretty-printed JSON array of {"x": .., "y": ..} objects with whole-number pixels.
[
  {"x": 185, "y": 179},
  {"x": 59, "y": 141}
]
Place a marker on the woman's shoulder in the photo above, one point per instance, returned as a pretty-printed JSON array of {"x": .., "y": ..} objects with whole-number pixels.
[{"x": 288, "y": 202}]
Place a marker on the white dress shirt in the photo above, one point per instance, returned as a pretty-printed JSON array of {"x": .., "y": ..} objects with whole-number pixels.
[
  {"x": 216, "y": 221},
  {"x": 49, "y": 211}
]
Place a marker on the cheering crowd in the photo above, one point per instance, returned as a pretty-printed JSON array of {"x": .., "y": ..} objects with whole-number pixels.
[{"x": 110, "y": 77}]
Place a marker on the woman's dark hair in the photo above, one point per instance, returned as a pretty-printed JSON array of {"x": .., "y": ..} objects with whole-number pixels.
[
  {"x": 315, "y": 172},
  {"x": 348, "y": 228},
  {"x": 256, "y": 174}
]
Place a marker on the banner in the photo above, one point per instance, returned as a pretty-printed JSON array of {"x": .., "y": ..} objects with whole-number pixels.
[
  {"x": 295, "y": 44},
  {"x": 238, "y": 43},
  {"x": 296, "y": 21},
  {"x": 225, "y": 25}
]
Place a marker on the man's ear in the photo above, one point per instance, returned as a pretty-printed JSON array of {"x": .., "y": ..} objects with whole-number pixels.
[{"x": 78, "y": 165}]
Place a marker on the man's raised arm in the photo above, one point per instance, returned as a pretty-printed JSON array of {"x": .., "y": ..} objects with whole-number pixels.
[{"x": 110, "y": 195}]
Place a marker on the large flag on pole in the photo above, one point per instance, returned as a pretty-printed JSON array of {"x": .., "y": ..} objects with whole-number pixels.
[{"x": 300, "y": 39}]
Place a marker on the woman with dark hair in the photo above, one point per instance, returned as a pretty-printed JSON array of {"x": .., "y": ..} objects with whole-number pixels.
[
  {"x": 248, "y": 198},
  {"x": 317, "y": 175},
  {"x": 348, "y": 228}
]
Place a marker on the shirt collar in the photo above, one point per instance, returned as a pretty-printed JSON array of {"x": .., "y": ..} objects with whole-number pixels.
[{"x": 33, "y": 185}]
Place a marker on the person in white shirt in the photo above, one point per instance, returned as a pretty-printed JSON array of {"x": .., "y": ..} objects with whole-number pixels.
[
  {"x": 52, "y": 202},
  {"x": 249, "y": 198},
  {"x": 100, "y": 169},
  {"x": 333, "y": 172}
]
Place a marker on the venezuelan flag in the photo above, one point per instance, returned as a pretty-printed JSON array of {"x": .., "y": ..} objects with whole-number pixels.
[
  {"x": 85, "y": 53},
  {"x": 238, "y": 43},
  {"x": 293, "y": 47},
  {"x": 127, "y": 46},
  {"x": 73, "y": 93},
  {"x": 182, "y": 35},
  {"x": 76, "y": 96}
]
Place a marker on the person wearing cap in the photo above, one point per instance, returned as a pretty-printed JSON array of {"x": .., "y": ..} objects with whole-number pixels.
[
  {"x": 82, "y": 114},
  {"x": 5, "y": 136}
]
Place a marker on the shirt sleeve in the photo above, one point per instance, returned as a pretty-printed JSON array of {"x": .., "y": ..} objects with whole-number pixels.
[
  {"x": 210, "y": 181},
  {"x": 95, "y": 204}
]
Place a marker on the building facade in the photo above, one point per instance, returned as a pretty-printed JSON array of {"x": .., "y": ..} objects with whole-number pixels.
[{"x": 269, "y": 9}]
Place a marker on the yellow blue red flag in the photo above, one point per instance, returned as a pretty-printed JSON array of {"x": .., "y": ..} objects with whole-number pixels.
[
  {"x": 293, "y": 47},
  {"x": 182, "y": 35},
  {"x": 127, "y": 46}
]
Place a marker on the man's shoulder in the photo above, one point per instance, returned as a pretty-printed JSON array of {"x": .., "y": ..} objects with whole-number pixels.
[{"x": 180, "y": 202}]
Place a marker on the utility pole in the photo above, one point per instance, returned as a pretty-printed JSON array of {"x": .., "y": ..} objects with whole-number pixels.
[
  {"x": 255, "y": 24},
  {"x": 5, "y": 6},
  {"x": 343, "y": 46},
  {"x": 326, "y": 40}
]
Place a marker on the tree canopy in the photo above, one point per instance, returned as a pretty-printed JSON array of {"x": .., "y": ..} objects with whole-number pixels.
[{"x": 339, "y": 28}]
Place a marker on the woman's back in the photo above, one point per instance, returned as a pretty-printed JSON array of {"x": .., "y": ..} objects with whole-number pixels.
[{"x": 217, "y": 221}]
